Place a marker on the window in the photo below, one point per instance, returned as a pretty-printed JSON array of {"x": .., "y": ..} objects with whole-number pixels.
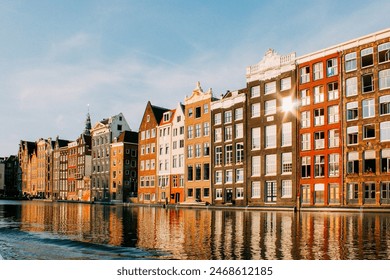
[
  {"x": 239, "y": 131},
  {"x": 239, "y": 193},
  {"x": 334, "y": 138},
  {"x": 384, "y": 52},
  {"x": 218, "y": 135},
  {"x": 286, "y": 189},
  {"x": 384, "y": 105},
  {"x": 287, "y": 104},
  {"x": 205, "y": 108},
  {"x": 255, "y": 189},
  {"x": 218, "y": 177},
  {"x": 167, "y": 116},
  {"x": 228, "y": 133},
  {"x": 218, "y": 155},
  {"x": 305, "y": 194},
  {"x": 217, "y": 118},
  {"x": 305, "y": 119},
  {"x": 369, "y": 161},
  {"x": 385, "y": 192},
  {"x": 305, "y": 97},
  {"x": 228, "y": 116},
  {"x": 369, "y": 192},
  {"x": 181, "y": 130},
  {"x": 206, "y": 129},
  {"x": 319, "y": 193},
  {"x": 256, "y": 138},
  {"x": 352, "y": 135},
  {"x": 331, "y": 67},
  {"x": 318, "y": 94},
  {"x": 218, "y": 194},
  {"x": 228, "y": 154},
  {"x": 351, "y": 87},
  {"x": 318, "y": 71},
  {"x": 384, "y": 79},
  {"x": 368, "y": 108},
  {"x": 305, "y": 141},
  {"x": 305, "y": 167},
  {"x": 286, "y": 163},
  {"x": 256, "y": 166},
  {"x": 238, "y": 114},
  {"x": 228, "y": 176},
  {"x": 198, "y": 171},
  {"x": 334, "y": 163},
  {"x": 270, "y": 88},
  {"x": 319, "y": 166},
  {"x": 198, "y": 131},
  {"x": 190, "y": 173},
  {"x": 239, "y": 152},
  {"x": 270, "y": 136},
  {"x": 350, "y": 62},
  {"x": 286, "y": 134},
  {"x": 255, "y": 91},
  {"x": 255, "y": 110},
  {"x": 285, "y": 83},
  {"x": 270, "y": 191},
  {"x": 333, "y": 91},
  {"x": 367, "y": 83},
  {"x": 319, "y": 117},
  {"x": 353, "y": 192},
  {"x": 368, "y": 131},
  {"x": 352, "y": 111},
  {"x": 240, "y": 175},
  {"x": 334, "y": 193},
  {"x": 270, "y": 107},
  {"x": 304, "y": 73},
  {"x": 333, "y": 114},
  {"x": 367, "y": 57},
  {"x": 190, "y": 112},
  {"x": 206, "y": 149},
  {"x": 206, "y": 171},
  {"x": 198, "y": 150},
  {"x": 189, "y": 151},
  {"x": 190, "y": 132},
  {"x": 319, "y": 140},
  {"x": 385, "y": 160},
  {"x": 353, "y": 163},
  {"x": 385, "y": 131},
  {"x": 270, "y": 164}
]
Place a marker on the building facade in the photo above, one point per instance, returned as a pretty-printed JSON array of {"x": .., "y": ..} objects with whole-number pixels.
[
  {"x": 197, "y": 146},
  {"x": 366, "y": 123},
  {"x": 178, "y": 152},
  {"x": 271, "y": 131},
  {"x": 103, "y": 133},
  {"x": 123, "y": 170},
  {"x": 320, "y": 145},
  {"x": 147, "y": 153},
  {"x": 228, "y": 116}
]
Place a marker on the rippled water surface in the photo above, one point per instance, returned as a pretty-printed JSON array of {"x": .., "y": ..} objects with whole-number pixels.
[{"x": 42, "y": 230}]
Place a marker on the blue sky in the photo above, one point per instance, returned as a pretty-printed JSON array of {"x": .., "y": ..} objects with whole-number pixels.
[{"x": 58, "y": 56}]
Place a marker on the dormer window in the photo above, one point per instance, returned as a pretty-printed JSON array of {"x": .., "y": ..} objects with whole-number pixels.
[{"x": 167, "y": 116}]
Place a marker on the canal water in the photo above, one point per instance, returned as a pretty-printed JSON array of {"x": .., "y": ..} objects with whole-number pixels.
[{"x": 34, "y": 230}]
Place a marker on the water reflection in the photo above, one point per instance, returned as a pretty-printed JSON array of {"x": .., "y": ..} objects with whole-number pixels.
[{"x": 209, "y": 234}]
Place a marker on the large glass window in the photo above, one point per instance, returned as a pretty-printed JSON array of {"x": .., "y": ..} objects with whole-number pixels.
[
  {"x": 218, "y": 155},
  {"x": 239, "y": 131},
  {"x": 367, "y": 83},
  {"x": 238, "y": 114},
  {"x": 286, "y": 189},
  {"x": 319, "y": 140},
  {"x": 350, "y": 62},
  {"x": 305, "y": 142},
  {"x": 304, "y": 73},
  {"x": 353, "y": 163},
  {"x": 333, "y": 91},
  {"x": 270, "y": 191},
  {"x": 333, "y": 114},
  {"x": 351, "y": 86},
  {"x": 385, "y": 131},
  {"x": 384, "y": 79},
  {"x": 352, "y": 111},
  {"x": 368, "y": 108},
  {"x": 285, "y": 83},
  {"x": 334, "y": 138},
  {"x": 369, "y": 161},
  {"x": 270, "y": 107},
  {"x": 256, "y": 166},
  {"x": 270, "y": 87},
  {"x": 305, "y": 119},
  {"x": 256, "y": 189},
  {"x": 305, "y": 97},
  {"x": 318, "y": 72},
  {"x": 352, "y": 135},
  {"x": 318, "y": 94},
  {"x": 334, "y": 165},
  {"x": 286, "y": 134},
  {"x": 228, "y": 154},
  {"x": 255, "y": 110},
  {"x": 256, "y": 138},
  {"x": 331, "y": 67},
  {"x": 384, "y": 105},
  {"x": 286, "y": 163},
  {"x": 384, "y": 52},
  {"x": 270, "y": 164},
  {"x": 255, "y": 91},
  {"x": 319, "y": 117},
  {"x": 319, "y": 166},
  {"x": 270, "y": 136},
  {"x": 367, "y": 57},
  {"x": 239, "y": 152},
  {"x": 306, "y": 167}
]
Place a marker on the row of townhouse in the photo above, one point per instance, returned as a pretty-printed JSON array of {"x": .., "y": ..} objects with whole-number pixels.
[
  {"x": 100, "y": 165},
  {"x": 305, "y": 131}
]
